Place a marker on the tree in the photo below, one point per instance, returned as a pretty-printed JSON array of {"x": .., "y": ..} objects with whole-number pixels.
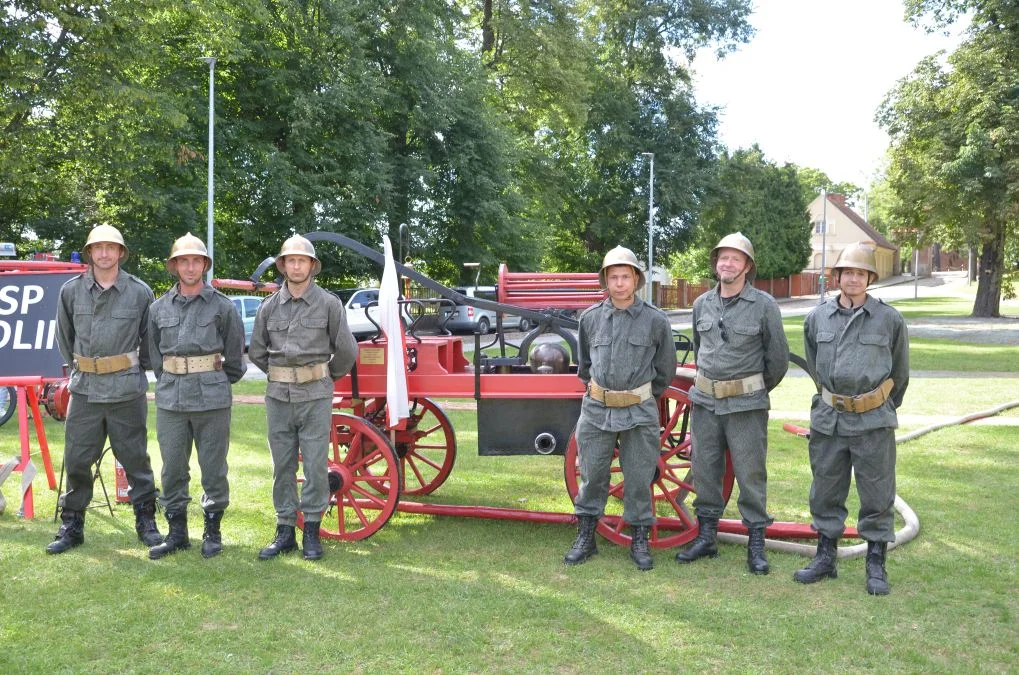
[
  {"x": 814, "y": 180},
  {"x": 955, "y": 142},
  {"x": 766, "y": 203}
]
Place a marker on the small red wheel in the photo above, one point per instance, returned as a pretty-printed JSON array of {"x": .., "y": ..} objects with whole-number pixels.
[
  {"x": 426, "y": 448},
  {"x": 363, "y": 478},
  {"x": 672, "y": 489}
]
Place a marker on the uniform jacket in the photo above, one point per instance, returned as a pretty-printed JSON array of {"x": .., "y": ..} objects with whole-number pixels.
[
  {"x": 852, "y": 352},
  {"x": 93, "y": 321},
  {"x": 623, "y": 349},
  {"x": 206, "y": 323},
  {"x": 756, "y": 344},
  {"x": 302, "y": 331}
]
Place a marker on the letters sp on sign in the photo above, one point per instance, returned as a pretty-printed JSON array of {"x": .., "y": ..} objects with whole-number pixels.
[{"x": 28, "y": 324}]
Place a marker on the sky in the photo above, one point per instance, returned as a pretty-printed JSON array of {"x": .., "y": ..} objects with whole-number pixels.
[{"x": 806, "y": 88}]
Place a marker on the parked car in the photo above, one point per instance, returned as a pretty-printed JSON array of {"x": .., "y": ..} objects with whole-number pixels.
[
  {"x": 247, "y": 307},
  {"x": 356, "y": 301},
  {"x": 474, "y": 319}
]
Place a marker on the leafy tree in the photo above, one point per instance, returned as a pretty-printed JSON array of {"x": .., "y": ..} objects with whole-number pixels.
[
  {"x": 955, "y": 143},
  {"x": 766, "y": 203},
  {"x": 812, "y": 181}
]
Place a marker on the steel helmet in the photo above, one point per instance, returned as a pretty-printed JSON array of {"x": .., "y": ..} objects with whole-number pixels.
[
  {"x": 189, "y": 244},
  {"x": 736, "y": 241},
  {"x": 621, "y": 256},
  {"x": 298, "y": 245},
  {"x": 859, "y": 256},
  {"x": 105, "y": 234}
]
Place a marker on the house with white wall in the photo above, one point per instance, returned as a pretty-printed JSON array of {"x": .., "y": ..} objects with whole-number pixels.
[{"x": 844, "y": 227}]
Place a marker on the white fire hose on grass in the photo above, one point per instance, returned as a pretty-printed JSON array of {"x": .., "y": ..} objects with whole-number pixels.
[{"x": 911, "y": 526}]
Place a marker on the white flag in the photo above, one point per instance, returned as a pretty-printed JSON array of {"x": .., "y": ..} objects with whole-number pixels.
[{"x": 397, "y": 406}]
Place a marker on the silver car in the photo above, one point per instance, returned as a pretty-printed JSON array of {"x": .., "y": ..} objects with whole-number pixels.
[{"x": 247, "y": 307}]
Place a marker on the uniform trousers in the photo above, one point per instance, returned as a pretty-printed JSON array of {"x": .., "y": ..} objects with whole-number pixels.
[
  {"x": 86, "y": 430},
  {"x": 209, "y": 432},
  {"x": 638, "y": 458},
  {"x": 299, "y": 428},
  {"x": 871, "y": 456},
  {"x": 745, "y": 434}
]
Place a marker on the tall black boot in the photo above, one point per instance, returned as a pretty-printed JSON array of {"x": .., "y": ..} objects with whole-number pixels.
[
  {"x": 639, "y": 552},
  {"x": 824, "y": 564},
  {"x": 757, "y": 562},
  {"x": 212, "y": 541},
  {"x": 312, "y": 544},
  {"x": 285, "y": 542},
  {"x": 176, "y": 540},
  {"x": 584, "y": 545},
  {"x": 71, "y": 532},
  {"x": 877, "y": 578},
  {"x": 145, "y": 523},
  {"x": 704, "y": 545}
]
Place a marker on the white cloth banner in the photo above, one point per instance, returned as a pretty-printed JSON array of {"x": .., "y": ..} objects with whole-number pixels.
[{"x": 397, "y": 406}]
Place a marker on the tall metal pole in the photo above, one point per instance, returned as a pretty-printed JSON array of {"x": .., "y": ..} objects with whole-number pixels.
[
  {"x": 211, "y": 60},
  {"x": 824, "y": 239},
  {"x": 650, "y": 225}
]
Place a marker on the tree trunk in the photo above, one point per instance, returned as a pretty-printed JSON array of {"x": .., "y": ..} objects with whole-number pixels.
[
  {"x": 487, "y": 31},
  {"x": 990, "y": 267}
]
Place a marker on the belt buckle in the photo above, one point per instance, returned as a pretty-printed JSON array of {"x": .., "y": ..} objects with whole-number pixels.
[{"x": 840, "y": 404}]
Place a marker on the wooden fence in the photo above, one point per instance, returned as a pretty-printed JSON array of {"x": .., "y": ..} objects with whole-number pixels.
[{"x": 681, "y": 293}]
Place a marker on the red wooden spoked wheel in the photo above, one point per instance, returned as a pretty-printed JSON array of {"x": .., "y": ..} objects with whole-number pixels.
[
  {"x": 426, "y": 448},
  {"x": 364, "y": 479},
  {"x": 672, "y": 490}
]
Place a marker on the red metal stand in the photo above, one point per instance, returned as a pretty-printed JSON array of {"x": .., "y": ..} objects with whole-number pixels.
[{"x": 28, "y": 395}]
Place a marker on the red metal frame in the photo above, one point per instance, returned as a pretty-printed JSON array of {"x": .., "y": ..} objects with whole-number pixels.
[{"x": 28, "y": 397}]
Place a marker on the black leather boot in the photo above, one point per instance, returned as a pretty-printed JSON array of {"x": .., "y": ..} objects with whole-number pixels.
[
  {"x": 704, "y": 545},
  {"x": 639, "y": 552},
  {"x": 285, "y": 542},
  {"x": 824, "y": 564},
  {"x": 176, "y": 540},
  {"x": 212, "y": 541},
  {"x": 71, "y": 532},
  {"x": 312, "y": 542},
  {"x": 584, "y": 545},
  {"x": 145, "y": 523},
  {"x": 757, "y": 562},
  {"x": 877, "y": 578}
]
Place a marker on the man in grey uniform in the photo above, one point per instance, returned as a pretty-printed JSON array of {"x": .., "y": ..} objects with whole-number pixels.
[
  {"x": 196, "y": 341},
  {"x": 102, "y": 327},
  {"x": 742, "y": 354},
  {"x": 627, "y": 360},
  {"x": 857, "y": 350},
  {"x": 302, "y": 341}
]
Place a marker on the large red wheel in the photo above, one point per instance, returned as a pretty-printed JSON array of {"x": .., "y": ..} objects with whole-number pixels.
[
  {"x": 672, "y": 490},
  {"x": 426, "y": 448},
  {"x": 363, "y": 478}
]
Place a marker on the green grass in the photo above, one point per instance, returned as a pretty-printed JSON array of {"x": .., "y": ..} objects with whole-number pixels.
[
  {"x": 433, "y": 594},
  {"x": 462, "y": 595}
]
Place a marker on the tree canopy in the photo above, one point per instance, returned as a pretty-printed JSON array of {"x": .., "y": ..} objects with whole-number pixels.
[{"x": 492, "y": 131}]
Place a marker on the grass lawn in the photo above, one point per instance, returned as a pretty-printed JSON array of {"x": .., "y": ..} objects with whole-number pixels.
[{"x": 435, "y": 594}]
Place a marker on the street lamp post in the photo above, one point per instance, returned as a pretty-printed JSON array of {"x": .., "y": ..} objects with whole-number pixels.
[
  {"x": 650, "y": 224},
  {"x": 824, "y": 239},
  {"x": 211, "y": 60}
]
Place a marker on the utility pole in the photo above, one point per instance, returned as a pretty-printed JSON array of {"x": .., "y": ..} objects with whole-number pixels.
[
  {"x": 650, "y": 225},
  {"x": 211, "y": 60},
  {"x": 824, "y": 239}
]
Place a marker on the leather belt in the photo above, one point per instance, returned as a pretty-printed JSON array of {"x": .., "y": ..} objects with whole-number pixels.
[
  {"x": 858, "y": 404},
  {"x": 182, "y": 365},
  {"x": 298, "y": 374},
  {"x": 727, "y": 388},
  {"x": 104, "y": 365},
  {"x": 619, "y": 399}
]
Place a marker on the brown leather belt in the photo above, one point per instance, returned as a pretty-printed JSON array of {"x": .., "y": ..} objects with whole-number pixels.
[
  {"x": 182, "y": 365},
  {"x": 104, "y": 365},
  {"x": 858, "y": 404},
  {"x": 727, "y": 388},
  {"x": 298, "y": 374},
  {"x": 619, "y": 399}
]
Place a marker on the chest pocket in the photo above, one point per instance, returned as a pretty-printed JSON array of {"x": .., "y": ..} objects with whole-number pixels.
[
  {"x": 704, "y": 326},
  {"x": 315, "y": 322},
  {"x": 825, "y": 337},
  {"x": 743, "y": 334},
  {"x": 164, "y": 321},
  {"x": 278, "y": 325},
  {"x": 874, "y": 340}
]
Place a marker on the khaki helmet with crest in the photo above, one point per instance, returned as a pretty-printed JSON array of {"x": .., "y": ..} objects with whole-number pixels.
[
  {"x": 189, "y": 244},
  {"x": 105, "y": 234},
  {"x": 738, "y": 242},
  {"x": 298, "y": 245},
  {"x": 858, "y": 256},
  {"x": 621, "y": 255}
]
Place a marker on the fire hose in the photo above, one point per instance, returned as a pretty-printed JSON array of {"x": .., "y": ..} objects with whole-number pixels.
[{"x": 911, "y": 525}]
